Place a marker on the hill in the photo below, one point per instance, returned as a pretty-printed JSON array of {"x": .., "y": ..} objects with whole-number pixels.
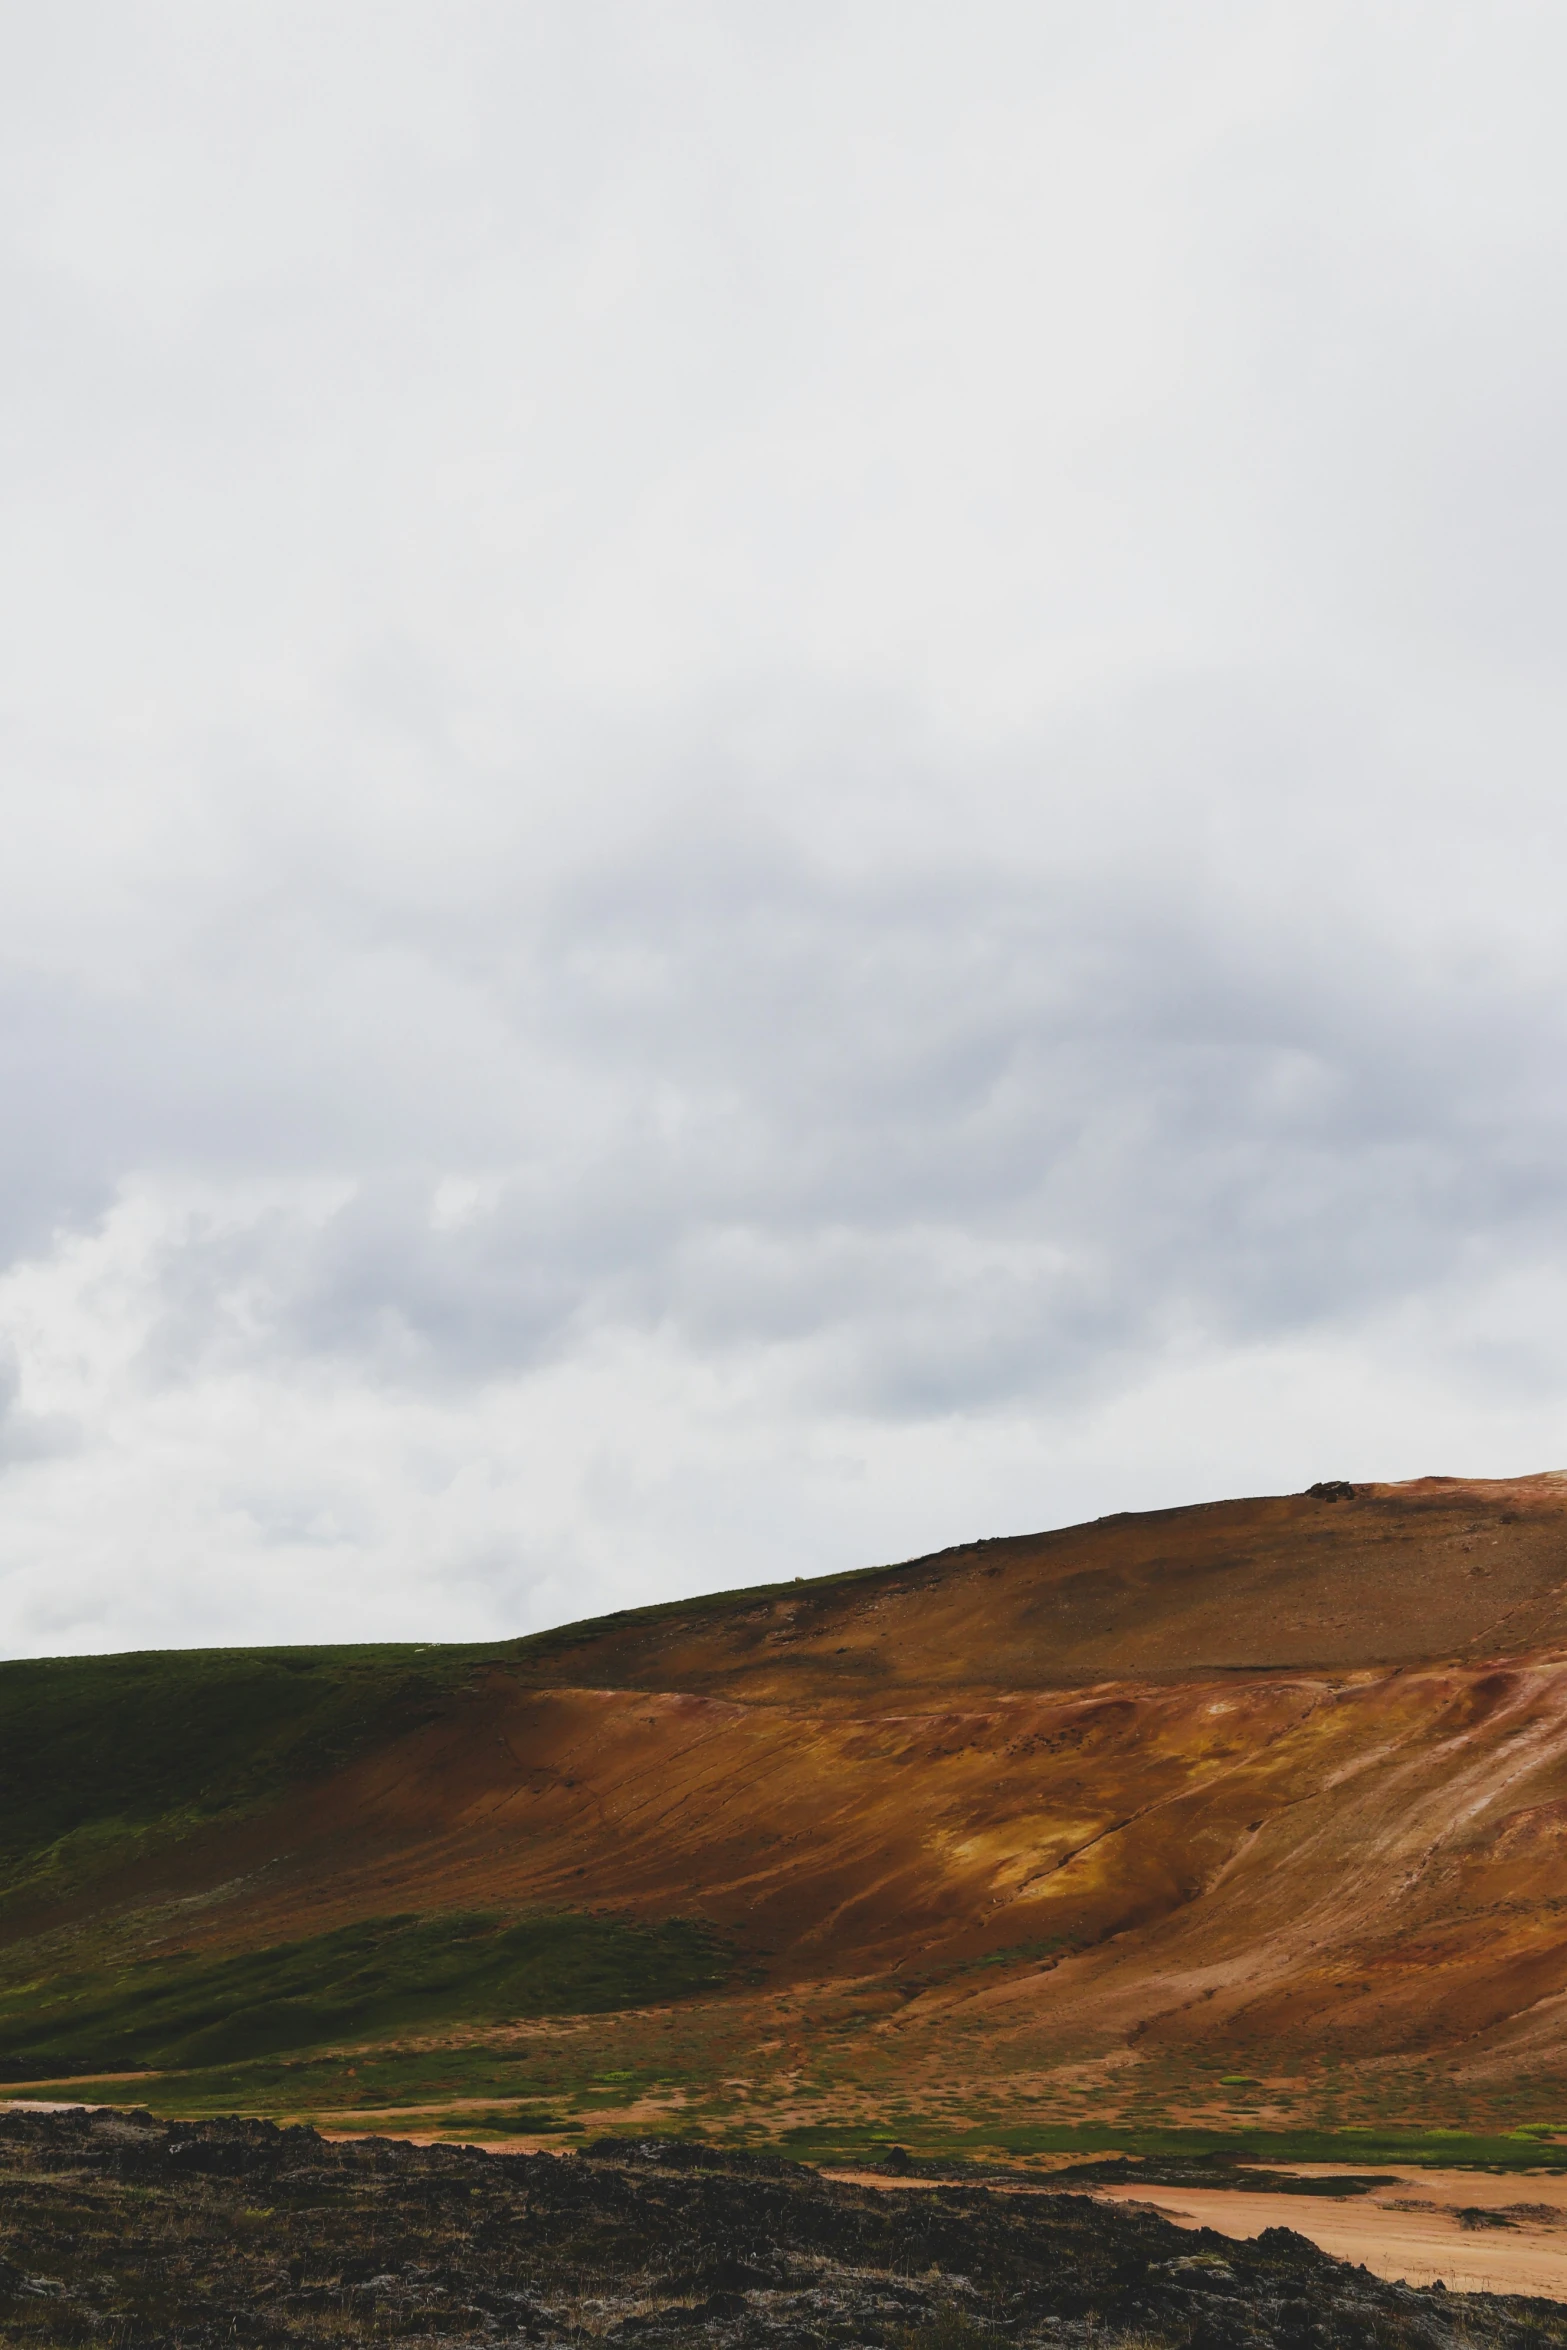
[{"x": 1252, "y": 1815}]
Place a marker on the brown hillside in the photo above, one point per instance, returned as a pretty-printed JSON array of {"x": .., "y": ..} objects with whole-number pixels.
[
  {"x": 1270, "y": 1784},
  {"x": 1436, "y": 1570}
]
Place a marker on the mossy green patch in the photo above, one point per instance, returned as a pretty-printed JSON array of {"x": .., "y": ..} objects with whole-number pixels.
[
  {"x": 359, "y": 1984},
  {"x": 502, "y": 2121},
  {"x": 1360, "y": 2149},
  {"x": 104, "y": 1758}
]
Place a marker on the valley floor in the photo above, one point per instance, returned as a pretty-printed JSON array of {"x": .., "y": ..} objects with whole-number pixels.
[
  {"x": 181, "y": 2236},
  {"x": 1478, "y": 2234}
]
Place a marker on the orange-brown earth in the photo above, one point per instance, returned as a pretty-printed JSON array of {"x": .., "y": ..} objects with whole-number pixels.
[
  {"x": 1083, "y": 1823},
  {"x": 1478, "y": 2234}
]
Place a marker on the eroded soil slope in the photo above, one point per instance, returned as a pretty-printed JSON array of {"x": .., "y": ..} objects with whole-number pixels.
[{"x": 1220, "y": 1807}]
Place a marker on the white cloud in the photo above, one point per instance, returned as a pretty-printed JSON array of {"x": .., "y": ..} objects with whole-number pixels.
[{"x": 774, "y": 787}]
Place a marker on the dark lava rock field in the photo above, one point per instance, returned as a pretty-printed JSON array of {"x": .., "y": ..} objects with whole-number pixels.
[{"x": 149, "y": 2235}]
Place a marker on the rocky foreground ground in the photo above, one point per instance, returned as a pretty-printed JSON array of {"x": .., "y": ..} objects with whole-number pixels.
[{"x": 118, "y": 2229}]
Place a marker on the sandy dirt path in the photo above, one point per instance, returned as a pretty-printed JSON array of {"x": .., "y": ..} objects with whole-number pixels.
[{"x": 1411, "y": 2230}]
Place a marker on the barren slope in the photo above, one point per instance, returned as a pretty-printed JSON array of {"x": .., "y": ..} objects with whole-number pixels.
[{"x": 1278, "y": 1785}]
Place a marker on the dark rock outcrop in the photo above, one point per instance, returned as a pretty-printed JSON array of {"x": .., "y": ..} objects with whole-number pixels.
[{"x": 158, "y": 2236}]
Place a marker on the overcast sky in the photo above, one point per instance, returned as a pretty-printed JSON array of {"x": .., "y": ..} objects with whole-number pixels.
[{"x": 780, "y": 782}]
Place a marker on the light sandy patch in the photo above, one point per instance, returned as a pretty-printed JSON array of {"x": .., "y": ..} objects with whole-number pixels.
[
  {"x": 1419, "y": 2243},
  {"x": 50, "y": 2105},
  {"x": 1408, "y": 2231}
]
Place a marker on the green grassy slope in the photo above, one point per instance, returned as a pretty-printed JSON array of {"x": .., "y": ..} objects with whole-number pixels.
[
  {"x": 105, "y": 1758},
  {"x": 105, "y": 1761},
  {"x": 376, "y": 1978}
]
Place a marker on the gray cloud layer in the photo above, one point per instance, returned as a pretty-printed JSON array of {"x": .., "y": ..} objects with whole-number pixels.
[
  {"x": 729, "y": 747},
  {"x": 987, "y": 1136}
]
